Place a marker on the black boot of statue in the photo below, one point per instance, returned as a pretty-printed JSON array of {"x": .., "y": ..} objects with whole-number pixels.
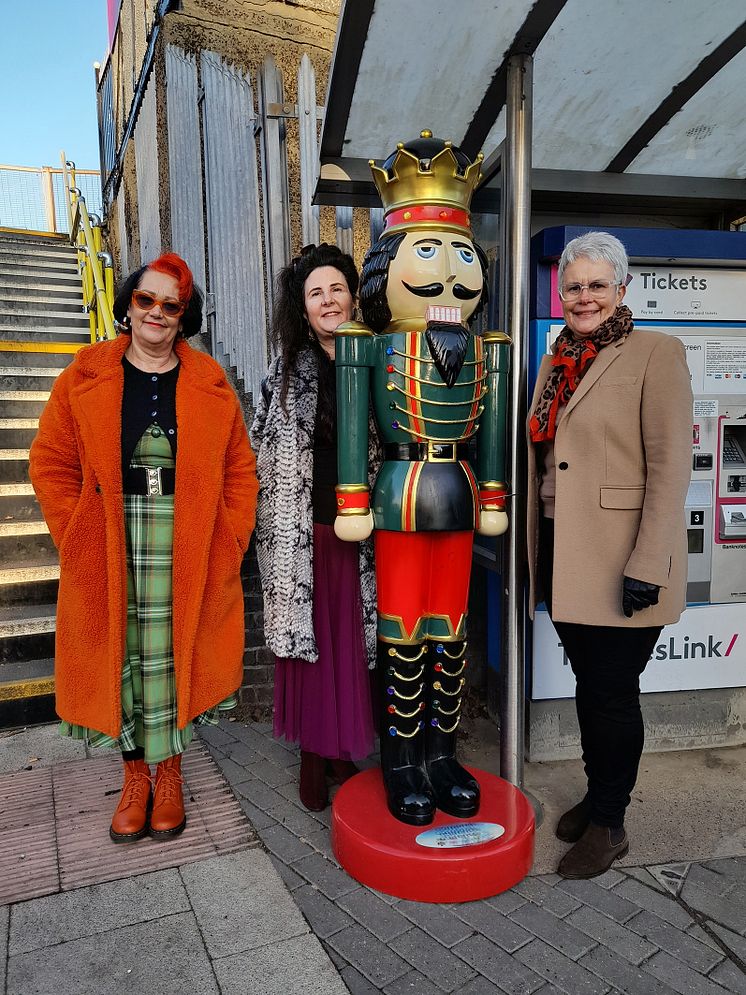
[
  {"x": 402, "y": 680},
  {"x": 456, "y": 791}
]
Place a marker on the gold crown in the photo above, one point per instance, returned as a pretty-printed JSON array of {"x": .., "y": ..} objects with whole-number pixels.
[{"x": 434, "y": 183}]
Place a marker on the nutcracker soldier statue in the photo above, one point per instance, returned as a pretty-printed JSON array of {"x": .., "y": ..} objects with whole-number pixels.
[{"x": 438, "y": 393}]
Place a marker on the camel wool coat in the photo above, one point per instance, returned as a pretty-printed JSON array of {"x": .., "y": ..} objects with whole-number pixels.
[
  {"x": 75, "y": 467},
  {"x": 623, "y": 453}
]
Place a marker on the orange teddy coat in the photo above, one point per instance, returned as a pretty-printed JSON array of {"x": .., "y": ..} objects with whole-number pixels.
[{"x": 77, "y": 475}]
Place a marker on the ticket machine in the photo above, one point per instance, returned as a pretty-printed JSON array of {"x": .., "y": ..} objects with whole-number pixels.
[{"x": 691, "y": 284}]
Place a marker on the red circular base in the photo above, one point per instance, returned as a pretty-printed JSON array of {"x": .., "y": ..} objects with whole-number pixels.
[{"x": 382, "y": 853}]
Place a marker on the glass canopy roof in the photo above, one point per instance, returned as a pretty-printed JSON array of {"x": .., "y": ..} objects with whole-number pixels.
[{"x": 621, "y": 87}]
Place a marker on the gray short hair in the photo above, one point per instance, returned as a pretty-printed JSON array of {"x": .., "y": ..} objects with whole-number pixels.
[{"x": 597, "y": 246}]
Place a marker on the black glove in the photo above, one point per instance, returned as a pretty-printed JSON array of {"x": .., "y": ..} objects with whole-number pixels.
[{"x": 638, "y": 594}]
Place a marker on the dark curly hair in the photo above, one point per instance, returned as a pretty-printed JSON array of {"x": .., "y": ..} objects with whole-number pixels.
[
  {"x": 375, "y": 278},
  {"x": 172, "y": 265},
  {"x": 291, "y": 332}
]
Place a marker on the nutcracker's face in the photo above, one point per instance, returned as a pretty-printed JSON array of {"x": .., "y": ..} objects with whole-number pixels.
[{"x": 434, "y": 267}]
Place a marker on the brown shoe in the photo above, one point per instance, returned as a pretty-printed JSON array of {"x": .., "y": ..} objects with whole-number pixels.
[
  {"x": 168, "y": 817},
  {"x": 312, "y": 788},
  {"x": 593, "y": 854},
  {"x": 574, "y": 822},
  {"x": 130, "y": 820},
  {"x": 340, "y": 771}
]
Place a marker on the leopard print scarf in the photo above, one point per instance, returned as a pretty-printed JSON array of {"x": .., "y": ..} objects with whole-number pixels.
[{"x": 571, "y": 360}]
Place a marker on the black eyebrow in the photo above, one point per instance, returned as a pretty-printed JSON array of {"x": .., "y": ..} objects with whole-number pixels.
[
  {"x": 462, "y": 245},
  {"x": 435, "y": 241}
]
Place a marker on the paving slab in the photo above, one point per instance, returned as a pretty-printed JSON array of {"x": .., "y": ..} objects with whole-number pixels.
[
  {"x": 679, "y": 976},
  {"x": 324, "y": 917},
  {"x": 240, "y": 903},
  {"x": 431, "y": 959},
  {"x": 297, "y": 966},
  {"x": 100, "y": 908},
  {"x": 685, "y": 947},
  {"x": 621, "y": 939},
  {"x": 443, "y": 924},
  {"x": 166, "y": 956},
  {"x": 381, "y": 919},
  {"x": 36, "y": 746},
  {"x": 413, "y": 983},
  {"x": 560, "y": 971},
  {"x": 291, "y": 920},
  {"x": 497, "y": 966}
]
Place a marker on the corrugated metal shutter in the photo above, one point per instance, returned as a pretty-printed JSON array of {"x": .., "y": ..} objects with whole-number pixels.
[
  {"x": 146, "y": 164},
  {"x": 234, "y": 243},
  {"x": 184, "y": 160}
]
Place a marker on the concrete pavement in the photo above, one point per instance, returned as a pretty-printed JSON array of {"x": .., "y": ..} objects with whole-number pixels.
[{"x": 290, "y": 920}]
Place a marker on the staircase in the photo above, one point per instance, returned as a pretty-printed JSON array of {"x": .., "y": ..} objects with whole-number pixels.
[{"x": 42, "y": 325}]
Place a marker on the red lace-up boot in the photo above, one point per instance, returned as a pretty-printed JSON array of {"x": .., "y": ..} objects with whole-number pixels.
[
  {"x": 168, "y": 817},
  {"x": 130, "y": 820}
]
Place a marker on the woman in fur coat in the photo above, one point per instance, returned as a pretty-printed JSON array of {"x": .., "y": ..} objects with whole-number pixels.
[
  {"x": 319, "y": 592},
  {"x": 144, "y": 472}
]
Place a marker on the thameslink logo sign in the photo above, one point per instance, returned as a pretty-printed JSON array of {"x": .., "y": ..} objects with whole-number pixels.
[
  {"x": 706, "y": 648},
  {"x": 687, "y": 649}
]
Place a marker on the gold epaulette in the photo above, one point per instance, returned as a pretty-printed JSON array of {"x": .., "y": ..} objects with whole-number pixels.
[
  {"x": 353, "y": 328},
  {"x": 494, "y": 336}
]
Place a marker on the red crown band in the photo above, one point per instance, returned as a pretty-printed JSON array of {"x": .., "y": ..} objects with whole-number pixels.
[{"x": 436, "y": 213}]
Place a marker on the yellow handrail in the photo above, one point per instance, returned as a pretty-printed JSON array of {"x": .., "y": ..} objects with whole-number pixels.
[{"x": 98, "y": 283}]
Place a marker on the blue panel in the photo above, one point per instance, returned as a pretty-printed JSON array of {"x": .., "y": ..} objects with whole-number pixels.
[
  {"x": 494, "y": 612},
  {"x": 671, "y": 244}
]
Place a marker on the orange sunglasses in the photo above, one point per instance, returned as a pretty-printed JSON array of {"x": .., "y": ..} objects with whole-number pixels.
[{"x": 147, "y": 301}]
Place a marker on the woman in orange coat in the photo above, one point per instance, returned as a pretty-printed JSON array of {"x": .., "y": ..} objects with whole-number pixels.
[{"x": 145, "y": 474}]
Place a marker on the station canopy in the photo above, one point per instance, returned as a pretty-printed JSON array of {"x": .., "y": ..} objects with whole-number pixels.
[{"x": 635, "y": 102}]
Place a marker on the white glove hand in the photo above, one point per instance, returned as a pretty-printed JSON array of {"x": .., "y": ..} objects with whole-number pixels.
[
  {"x": 493, "y": 523},
  {"x": 353, "y": 528}
]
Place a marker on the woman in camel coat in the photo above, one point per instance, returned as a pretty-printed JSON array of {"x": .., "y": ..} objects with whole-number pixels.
[
  {"x": 146, "y": 478},
  {"x": 610, "y": 435}
]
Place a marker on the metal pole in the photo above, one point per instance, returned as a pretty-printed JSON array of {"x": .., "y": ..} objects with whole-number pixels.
[
  {"x": 46, "y": 182},
  {"x": 514, "y": 288}
]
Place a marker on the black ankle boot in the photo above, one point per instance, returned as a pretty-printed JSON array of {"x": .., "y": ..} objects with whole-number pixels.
[
  {"x": 574, "y": 822},
  {"x": 402, "y": 681},
  {"x": 456, "y": 791}
]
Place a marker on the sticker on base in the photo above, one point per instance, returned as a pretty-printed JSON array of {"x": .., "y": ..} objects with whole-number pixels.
[{"x": 460, "y": 834}]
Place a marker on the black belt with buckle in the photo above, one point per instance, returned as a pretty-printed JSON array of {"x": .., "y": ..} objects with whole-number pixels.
[
  {"x": 149, "y": 480},
  {"x": 428, "y": 451}
]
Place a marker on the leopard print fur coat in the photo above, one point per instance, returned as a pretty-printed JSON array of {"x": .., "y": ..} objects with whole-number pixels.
[{"x": 283, "y": 444}]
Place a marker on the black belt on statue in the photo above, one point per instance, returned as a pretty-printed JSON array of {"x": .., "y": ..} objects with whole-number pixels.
[
  {"x": 433, "y": 452},
  {"x": 149, "y": 480}
]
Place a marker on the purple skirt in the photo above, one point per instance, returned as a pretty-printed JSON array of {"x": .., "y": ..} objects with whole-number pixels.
[{"x": 326, "y": 706}]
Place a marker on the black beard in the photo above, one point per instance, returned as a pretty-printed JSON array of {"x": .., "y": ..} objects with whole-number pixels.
[{"x": 447, "y": 342}]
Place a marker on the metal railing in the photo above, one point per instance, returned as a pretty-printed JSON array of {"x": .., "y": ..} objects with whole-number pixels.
[
  {"x": 32, "y": 198},
  {"x": 95, "y": 265}
]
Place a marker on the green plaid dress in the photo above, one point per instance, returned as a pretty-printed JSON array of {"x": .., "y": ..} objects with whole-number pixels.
[{"x": 148, "y": 680}]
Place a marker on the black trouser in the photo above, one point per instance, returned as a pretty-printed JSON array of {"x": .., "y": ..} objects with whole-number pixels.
[{"x": 607, "y": 662}]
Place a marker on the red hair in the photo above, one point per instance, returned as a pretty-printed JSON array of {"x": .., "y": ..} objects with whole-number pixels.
[{"x": 173, "y": 265}]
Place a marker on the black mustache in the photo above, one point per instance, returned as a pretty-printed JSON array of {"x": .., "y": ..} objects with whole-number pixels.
[{"x": 459, "y": 291}]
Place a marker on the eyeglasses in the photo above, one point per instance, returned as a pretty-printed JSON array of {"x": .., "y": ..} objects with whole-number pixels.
[
  {"x": 147, "y": 301},
  {"x": 596, "y": 288}
]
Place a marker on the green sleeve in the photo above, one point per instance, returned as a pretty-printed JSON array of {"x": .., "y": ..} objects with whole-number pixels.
[
  {"x": 354, "y": 357},
  {"x": 492, "y": 425}
]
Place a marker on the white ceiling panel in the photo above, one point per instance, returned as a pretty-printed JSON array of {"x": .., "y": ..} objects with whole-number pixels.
[
  {"x": 424, "y": 65},
  {"x": 609, "y": 76},
  {"x": 708, "y": 136},
  {"x": 603, "y": 68}
]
